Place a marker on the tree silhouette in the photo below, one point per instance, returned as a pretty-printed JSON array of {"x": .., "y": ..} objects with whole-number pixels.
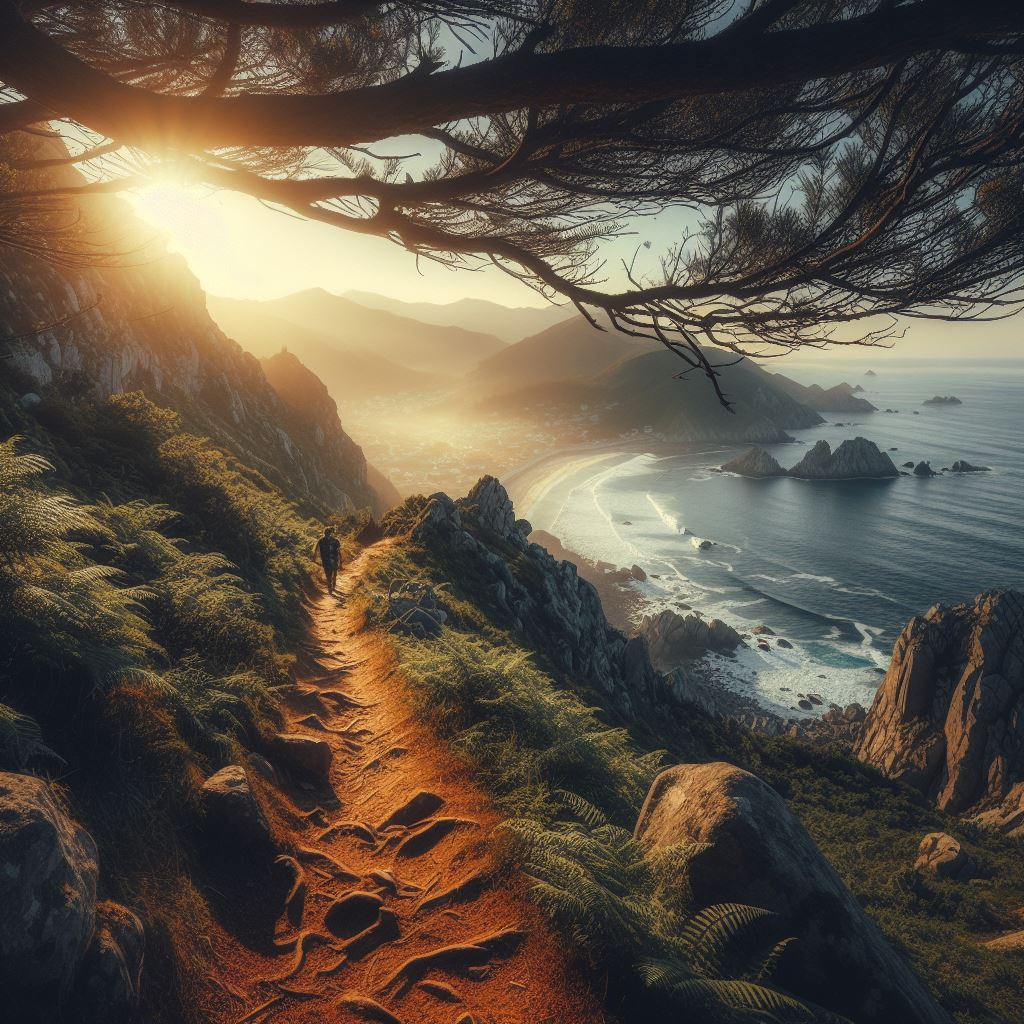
[{"x": 839, "y": 163}]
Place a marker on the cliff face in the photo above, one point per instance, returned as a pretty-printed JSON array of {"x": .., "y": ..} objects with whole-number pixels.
[
  {"x": 311, "y": 418},
  {"x": 89, "y": 332},
  {"x": 949, "y": 717},
  {"x": 540, "y": 597}
]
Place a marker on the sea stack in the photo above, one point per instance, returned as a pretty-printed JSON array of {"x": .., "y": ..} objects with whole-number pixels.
[
  {"x": 852, "y": 460},
  {"x": 942, "y": 400},
  {"x": 756, "y": 462},
  {"x": 924, "y": 469}
]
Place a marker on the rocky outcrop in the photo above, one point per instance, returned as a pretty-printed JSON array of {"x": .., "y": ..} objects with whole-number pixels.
[
  {"x": 1007, "y": 816},
  {"x": 48, "y": 874},
  {"x": 759, "y": 854},
  {"x": 924, "y": 469},
  {"x": 962, "y": 466},
  {"x": 948, "y": 718},
  {"x": 856, "y": 459},
  {"x": 756, "y": 462},
  {"x": 942, "y": 400},
  {"x": 536, "y": 595},
  {"x": 941, "y": 855},
  {"x": 673, "y": 639}
]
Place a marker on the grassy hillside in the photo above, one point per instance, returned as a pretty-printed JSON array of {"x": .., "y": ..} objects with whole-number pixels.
[
  {"x": 534, "y": 736},
  {"x": 151, "y": 591}
]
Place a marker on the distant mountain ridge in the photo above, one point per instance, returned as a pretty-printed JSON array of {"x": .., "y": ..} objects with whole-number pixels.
[
  {"x": 350, "y": 375},
  {"x": 510, "y": 323},
  {"x": 422, "y": 347}
]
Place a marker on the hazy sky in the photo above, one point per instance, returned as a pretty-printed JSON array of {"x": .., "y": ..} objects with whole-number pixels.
[{"x": 239, "y": 248}]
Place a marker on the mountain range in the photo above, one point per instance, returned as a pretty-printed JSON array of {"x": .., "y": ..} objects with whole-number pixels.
[{"x": 510, "y": 323}]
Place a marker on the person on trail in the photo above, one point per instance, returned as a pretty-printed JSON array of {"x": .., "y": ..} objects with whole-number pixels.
[{"x": 328, "y": 548}]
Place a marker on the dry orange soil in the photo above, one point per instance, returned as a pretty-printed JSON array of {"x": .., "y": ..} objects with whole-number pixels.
[{"x": 379, "y": 920}]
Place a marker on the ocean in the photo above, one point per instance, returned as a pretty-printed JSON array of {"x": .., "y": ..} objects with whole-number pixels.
[{"x": 836, "y": 568}]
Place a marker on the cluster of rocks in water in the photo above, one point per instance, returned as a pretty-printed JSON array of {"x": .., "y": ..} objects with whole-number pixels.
[
  {"x": 855, "y": 459},
  {"x": 942, "y": 400},
  {"x": 858, "y": 459}
]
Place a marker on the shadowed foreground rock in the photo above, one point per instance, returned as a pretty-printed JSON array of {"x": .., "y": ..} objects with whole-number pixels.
[
  {"x": 48, "y": 872},
  {"x": 949, "y": 717},
  {"x": 761, "y": 855}
]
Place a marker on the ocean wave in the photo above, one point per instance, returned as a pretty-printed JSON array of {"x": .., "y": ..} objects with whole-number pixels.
[{"x": 671, "y": 520}]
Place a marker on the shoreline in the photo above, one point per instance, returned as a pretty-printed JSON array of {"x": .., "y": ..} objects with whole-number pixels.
[{"x": 728, "y": 681}]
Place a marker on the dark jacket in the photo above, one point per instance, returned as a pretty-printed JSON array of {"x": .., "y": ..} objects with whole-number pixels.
[{"x": 329, "y": 549}]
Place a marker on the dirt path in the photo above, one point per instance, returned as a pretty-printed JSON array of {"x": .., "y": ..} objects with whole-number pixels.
[{"x": 387, "y": 920}]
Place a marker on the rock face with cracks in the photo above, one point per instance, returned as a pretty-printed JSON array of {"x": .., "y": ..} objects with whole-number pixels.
[
  {"x": 760, "y": 855},
  {"x": 948, "y": 718},
  {"x": 539, "y": 596}
]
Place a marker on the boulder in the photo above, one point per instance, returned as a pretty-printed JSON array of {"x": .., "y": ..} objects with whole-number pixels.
[
  {"x": 759, "y": 854},
  {"x": 763, "y": 630},
  {"x": 756, "y": 462},
  {"x": 48, "y": 873},
  {"x": 109, "y": 983},
  {"x": 852, "y": 460},
  {"x": 637, "y": 573},
  {"x": 231, "y": 806},
  {"x": 673, "y": 638},
  {"x": 783, "y": 643},
  {"x": 908, "y": 465},
  {"x": 415, "y": 610},
  {"x": 941, "y": 855},
  {"x": 948, "y": 718},
  {"x": 722, "y": 637},
  {"x": 304, "y": 756}
]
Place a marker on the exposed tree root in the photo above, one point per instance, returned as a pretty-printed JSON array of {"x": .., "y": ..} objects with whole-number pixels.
[
  {"x": 368, "y": 1009},
  {"x": 468, "y": 889},
  {"x": 456, "y": 958},
  {"x": 426, "y": 838}
]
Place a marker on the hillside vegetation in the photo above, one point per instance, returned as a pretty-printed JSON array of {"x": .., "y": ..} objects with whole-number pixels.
[
  {"x": 151, "y": 594},
  {"x": 572, "y": 774}
]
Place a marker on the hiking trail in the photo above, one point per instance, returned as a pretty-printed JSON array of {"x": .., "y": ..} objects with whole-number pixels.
[{"x": 385, "y": 908}]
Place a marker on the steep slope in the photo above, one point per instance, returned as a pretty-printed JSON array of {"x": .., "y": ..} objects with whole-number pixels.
[
  {"x": 839, "y": 398},
  {"x": 312, "y": 419},
  {"x": 567, "y": 351},
  {"x": 510, "y": 323},
  {"x": 350, "y": 375},
  {"x": 426, "y": 348},
  {"x": 141, "y": 324}
]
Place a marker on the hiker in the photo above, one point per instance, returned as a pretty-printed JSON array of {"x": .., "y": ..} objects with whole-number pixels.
[{"x": 328, "y": 549}]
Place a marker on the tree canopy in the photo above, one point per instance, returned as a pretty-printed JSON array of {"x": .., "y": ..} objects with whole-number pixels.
[{"x": 838, "y": 163}]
